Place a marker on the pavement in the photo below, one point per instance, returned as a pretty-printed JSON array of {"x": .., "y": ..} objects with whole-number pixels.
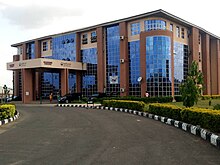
[{"x": 71, "y": 135}]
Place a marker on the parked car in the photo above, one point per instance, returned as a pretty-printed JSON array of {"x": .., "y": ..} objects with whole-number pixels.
[
  {"x": 96, "y": 96},
  {"x": 70, "y": 97}
]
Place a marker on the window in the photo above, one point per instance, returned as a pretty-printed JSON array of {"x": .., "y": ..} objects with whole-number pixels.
[
  {"x": 155, "y": 25},
  {"x": 45, "y": 46},
  {"x": 171, "y": 27},
  {"x": 93, "y": 37},
  {"x": 84, "y": 39},
  {"x": 177, "y": 31},
  {"x": 19, "y": 51},
  {"x": 199, "y": 40},
  {"x": 182, "y": 33},
  {"x": 51, "y": 44},
  {"x": 135, "y": 28}
]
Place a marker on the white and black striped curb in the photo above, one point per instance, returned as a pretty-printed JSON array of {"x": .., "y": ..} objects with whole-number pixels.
[
  {"x": 5, "y": 121},
  {"x": 195, "y": 130}
]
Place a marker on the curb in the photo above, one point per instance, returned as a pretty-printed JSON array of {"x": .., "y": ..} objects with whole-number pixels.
[
  {"x": 195, "y": 130},
  {"x": 5, "y": 121}
]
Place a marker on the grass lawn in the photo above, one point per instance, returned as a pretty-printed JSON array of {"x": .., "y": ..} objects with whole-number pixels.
[{"x": 200, "y": 104}]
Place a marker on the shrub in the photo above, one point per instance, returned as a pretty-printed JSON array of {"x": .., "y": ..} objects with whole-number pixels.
[
  {"x": 216, "y": 107},
  {"x": 207, "y": 97},
  {"x": 135, "y": 105},
  {"x": 7, "y": 111},
  {"x": 206, "y": 118}
]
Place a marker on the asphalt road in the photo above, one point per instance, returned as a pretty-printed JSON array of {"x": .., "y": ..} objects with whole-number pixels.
[{"x": 76, "y": 136}]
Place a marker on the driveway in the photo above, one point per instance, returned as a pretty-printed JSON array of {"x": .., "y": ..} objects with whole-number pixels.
[{"x": 58, "y": 135}]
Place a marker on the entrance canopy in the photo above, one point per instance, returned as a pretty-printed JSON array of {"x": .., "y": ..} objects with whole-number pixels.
[{"x": 46, "y": 63}]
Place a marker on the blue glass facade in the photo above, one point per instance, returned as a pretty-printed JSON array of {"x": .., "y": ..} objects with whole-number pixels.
[
  {"x": 134, "y": 68},
  {"x": 180, "y": 65},
  {"x": 113, "y": 60},
  {"x": 158, "y": 65},
  {"x": 50, "y": 83},
  {"x": 72, "y": 82},
  {"x": 30, "y": 51},
  {"x": 154, "y": 25},
  {"x": 89, "y": 78},
  {"x": 135, "y": 28},
  {"x": 64, "y": 47}
]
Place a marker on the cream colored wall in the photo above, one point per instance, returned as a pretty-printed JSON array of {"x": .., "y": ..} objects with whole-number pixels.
[
  {"x": 89, "y": 44},
  {"x": 48, "y": 52},
  {"x": 177, "y": 39}
]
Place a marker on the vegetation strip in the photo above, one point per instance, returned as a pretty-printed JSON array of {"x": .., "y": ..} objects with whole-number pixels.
[
  {"x": 195, "y": 130},
  {"x": 5, "y": 121}
]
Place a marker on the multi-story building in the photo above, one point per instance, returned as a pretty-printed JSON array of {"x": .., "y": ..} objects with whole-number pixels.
[{"x": 149, "y": 52}]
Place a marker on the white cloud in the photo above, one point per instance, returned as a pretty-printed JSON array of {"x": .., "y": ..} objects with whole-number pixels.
[{"x": 35, "y": 16}]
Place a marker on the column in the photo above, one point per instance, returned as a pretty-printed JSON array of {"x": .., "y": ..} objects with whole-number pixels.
[
  {"x": 194, "y": 45},
  {"x": 101, "y": 62},
  {"x": 214, "y": 67},
  {"x": 218, "y": 64},
  {"x": 78, "y": 59},
  {"x": 124, "y": 61},
  {"x": 64, "y": 81},
  {"x": 206, "y": 63},
  {"x": 37, "y": 45},
  {"x": 16, "y": 77},
  {"x": 27, "y": 85}
]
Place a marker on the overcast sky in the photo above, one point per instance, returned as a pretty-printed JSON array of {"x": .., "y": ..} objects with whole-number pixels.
[{"x": 21, "y": 20}]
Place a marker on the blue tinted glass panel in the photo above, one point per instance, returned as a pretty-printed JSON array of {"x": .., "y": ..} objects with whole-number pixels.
[
  {"x": 30, "y": 50},
  {"x": 113, "y": 60},
  {"x": 64, "y": 47},
  {"x": 135, "y": 28},
  {"x": 50, "y": 83},
  {"x": 134, "y": 68},
  {"x": 154, "y": 25},
  {"x": 180, "y": 65},
  {"x": 89, "y": 78},
  {"x": 158, "y": 65},
  {"x": 72, "y": 82}
]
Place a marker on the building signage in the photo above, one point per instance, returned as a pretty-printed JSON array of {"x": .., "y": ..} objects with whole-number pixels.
[
  {"x": 22, "y": 64},
  {"x": 48, "y": 63},
  {"x": 65, "y": 64},
  {"x": 113, "y": 79},
  {"x": 11, "y": 65}
]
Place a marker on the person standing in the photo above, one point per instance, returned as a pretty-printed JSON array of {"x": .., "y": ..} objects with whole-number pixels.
[{"x": 51, "y": 97}]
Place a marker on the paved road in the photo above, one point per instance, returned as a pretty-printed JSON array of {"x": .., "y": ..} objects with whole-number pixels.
[{"x": 56, "y": 135}]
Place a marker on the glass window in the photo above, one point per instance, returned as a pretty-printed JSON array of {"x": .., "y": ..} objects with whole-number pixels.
[
  {"x": 171, "y": 27},
  {"x": 180, "y": 64},
  {"x": 84, "y": 38},
  {"x": 135, "y": 28},
  {"x": 30, "y": 49},
  {"x": 93, "y": 37},
  {"x": 134, "y": 68},
  {"x": 113, "y": 60},
  {"x": 154, "y": 25},
  {"x": 72, "y": 82},
  {"x": 45, "y": 46},
  {"x": 182, "y": 33},
  {"x": 89, "y": 78},
  {"x": 64, "y": 47},
  {"x": 51, "y": 44},
  {"x": 158, "y": 65},
  {"x": 177, "y": 31}
]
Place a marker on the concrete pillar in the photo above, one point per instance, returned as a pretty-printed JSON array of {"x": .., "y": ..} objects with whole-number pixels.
[
  {"x": 206, "y": 63},
  {"x": 27, "y": 85},
  {"x": 218, "y": 64},
  {"x": 64, "y": 81},
  {"x": 37, "y": 45},
  {"x": 124, "y": 64},
  {"x": 78, "y": 59},
  {"x": 16, "y": 77},
  {"x": 101, "y": 62},
  {"x": 194, "y": 45}
]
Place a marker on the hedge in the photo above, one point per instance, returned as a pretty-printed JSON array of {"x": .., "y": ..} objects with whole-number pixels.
[
  {"x": 146, "y": 100},
  {"x": 207, "y": 97},
  {"x": 7, "y": 111},
  {"x": 127, "y": 104},
  {"x": 206, "y": 118}
]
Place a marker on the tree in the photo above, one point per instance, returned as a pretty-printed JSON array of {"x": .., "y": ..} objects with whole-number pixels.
[{"x": 191, "y": 89}]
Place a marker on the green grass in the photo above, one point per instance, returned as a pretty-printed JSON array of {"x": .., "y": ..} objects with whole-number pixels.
[{"x": 200, "y": 104}]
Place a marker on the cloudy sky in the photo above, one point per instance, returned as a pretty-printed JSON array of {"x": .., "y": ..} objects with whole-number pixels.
[{"x": 21, "y": 20}]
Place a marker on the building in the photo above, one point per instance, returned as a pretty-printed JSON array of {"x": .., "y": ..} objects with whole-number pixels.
[{"x": 148, "y": 52}]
